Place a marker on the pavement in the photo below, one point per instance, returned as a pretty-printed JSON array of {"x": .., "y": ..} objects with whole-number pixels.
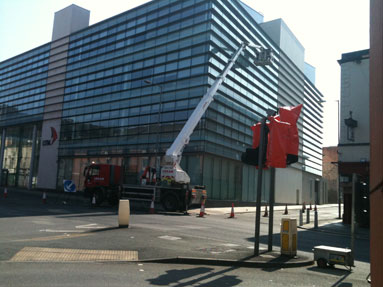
[{"x": 245, "y": 258}]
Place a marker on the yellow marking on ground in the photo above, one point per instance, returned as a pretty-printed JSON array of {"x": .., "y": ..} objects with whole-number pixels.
[
  {"x": 55, "y": 237},
  {"x": 39, "y": 254}
]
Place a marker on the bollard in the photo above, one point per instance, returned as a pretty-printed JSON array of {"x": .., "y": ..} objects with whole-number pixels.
[
  {"x": 308, "y": 216},
  {"x": 300, "y": 217},
  {"x": 315, "y": 219},
  {"x": 123, "y": 213},
  {"x": 289, "y": 236}
]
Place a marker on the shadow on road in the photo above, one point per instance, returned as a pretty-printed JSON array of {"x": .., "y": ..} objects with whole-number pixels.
[
  {"x": 201, "y": 276},
  {"x": 307, "y": 239},
  {"x": 334, "y": 271}
]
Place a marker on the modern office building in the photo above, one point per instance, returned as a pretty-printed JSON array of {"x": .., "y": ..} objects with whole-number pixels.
[{"x": 119, "y": 92}]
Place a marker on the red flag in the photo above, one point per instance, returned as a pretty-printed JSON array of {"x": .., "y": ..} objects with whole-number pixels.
[
  {"x": 282, "y": 139},
  {"x": 290, "y": 115},
  {"x": 278, "y": 141}
]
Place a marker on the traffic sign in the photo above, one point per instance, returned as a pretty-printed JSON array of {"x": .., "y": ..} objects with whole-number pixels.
[{"x": 69, "y": 186}]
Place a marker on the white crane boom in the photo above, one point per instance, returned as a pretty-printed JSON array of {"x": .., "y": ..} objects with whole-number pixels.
[{"x": 172, "y": 170}]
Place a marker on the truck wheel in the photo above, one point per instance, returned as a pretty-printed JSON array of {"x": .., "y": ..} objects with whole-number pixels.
[
  {"x": 170, "y": 202},
  {"x": 322, "y": 263},
  {"x": 113, "y": 201},
  {"x": 114, "y": 198}
]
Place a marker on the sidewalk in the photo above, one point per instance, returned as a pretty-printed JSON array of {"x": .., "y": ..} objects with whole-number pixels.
[
  {"x": 252, "y": 209},
  {"x": 265, "y": 259},
  {"x": 337, "y": 227}
]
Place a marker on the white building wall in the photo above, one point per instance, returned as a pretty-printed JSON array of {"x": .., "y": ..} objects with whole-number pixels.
[
  {"x": 355, "y": 98},
  {"x": 288, "y": 185},
  {"x": 280, "y": 33}
]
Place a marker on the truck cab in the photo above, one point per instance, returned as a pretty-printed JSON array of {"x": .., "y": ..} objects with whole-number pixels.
[{"x": 102, "y": 181}]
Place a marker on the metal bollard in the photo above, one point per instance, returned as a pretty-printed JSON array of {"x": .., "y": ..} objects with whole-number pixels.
[
  {"x": 308, "y": 216},
  {"x": 300, "y": 217},
  {"x": 315, "y": 219}
]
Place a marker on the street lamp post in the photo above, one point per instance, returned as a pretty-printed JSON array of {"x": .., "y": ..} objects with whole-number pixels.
[
  {"x": 149, "y": 82},
  {"x": 338, "y": 131},
  {"x": 339, "y": 201}
]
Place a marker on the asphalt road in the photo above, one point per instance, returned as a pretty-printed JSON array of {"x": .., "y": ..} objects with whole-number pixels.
[
  {"x": 26, "y": 222},
  {"x": 142, "y": 275}
]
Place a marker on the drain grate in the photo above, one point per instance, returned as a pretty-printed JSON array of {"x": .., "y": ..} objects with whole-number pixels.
[{"x": 38, "y": 254}]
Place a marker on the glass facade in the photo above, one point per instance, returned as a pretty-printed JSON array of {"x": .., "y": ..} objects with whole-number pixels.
[
  {"x": 133, "y": 80},
  {"x": 312, "y": 130},
  {"x": 107, "y": 104},
  {"x": 22, "y": 87},
  {"x": 18, "y": 153},
  {"x": 22, "y": 95}
]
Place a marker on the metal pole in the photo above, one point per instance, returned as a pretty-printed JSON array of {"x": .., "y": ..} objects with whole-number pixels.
[
  {"x": 271, "y": 203},
  {"x": 158, "y": 133},
  {"x": 2, "y": 153},
  {"x": 300, "y": 217},
  {"x": 353, "y": 215},
  {"x": 32, "y": 157},
  {"x": 315, "y": 219},
  {"x": 259, "y": 187},
  {"x": 339, "y": 204}
]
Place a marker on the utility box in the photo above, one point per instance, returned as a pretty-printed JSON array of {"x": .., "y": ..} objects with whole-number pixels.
[
  {"x": 289, "y": 236},
  {"x": 324, "y": 255},
  {"x": 123, "y": 213}
]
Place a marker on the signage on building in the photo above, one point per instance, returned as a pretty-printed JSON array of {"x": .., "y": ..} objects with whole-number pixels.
[{"x": 53, "y": 137}]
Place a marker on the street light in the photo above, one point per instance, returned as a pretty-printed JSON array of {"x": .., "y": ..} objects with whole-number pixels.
[
  {"x": 149, "y": 82},
  {"x": 338, "y": 118}
]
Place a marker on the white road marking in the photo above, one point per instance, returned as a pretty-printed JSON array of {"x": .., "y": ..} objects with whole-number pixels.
[
  {"x": 43, "y": 222},
  {"x": 260, "y": 248},
  {"x": 230, "y": 245},
  {"x": 61, "y": 231},
  {"x": 167, "y": 228},
  {"x": 90, "y": 226},
  {"x": 167, "y": 237}
]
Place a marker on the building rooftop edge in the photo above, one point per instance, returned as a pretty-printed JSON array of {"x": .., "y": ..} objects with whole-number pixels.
[
  {"x": 354, "y": 56},
  {"x": 72, "y": 5}
]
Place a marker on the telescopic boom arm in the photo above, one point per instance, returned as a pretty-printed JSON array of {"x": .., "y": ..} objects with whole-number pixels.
[{"x": 174, "y": 153}]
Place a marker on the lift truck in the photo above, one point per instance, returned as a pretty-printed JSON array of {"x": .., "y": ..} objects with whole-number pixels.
[{"x": 173, "y": 190}]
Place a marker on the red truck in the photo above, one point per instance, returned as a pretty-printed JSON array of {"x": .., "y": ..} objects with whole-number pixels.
[{"x": 104, "y": 182}]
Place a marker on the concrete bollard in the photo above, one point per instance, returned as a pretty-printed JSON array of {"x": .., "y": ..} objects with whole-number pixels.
[
  {"x": 315, "y": 219},
  {"x": 307, "y": 216},
  {"x": 300, "y": 217},
  {"x": 123, "y": 213}
]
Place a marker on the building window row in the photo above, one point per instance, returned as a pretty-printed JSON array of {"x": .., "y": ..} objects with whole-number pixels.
[{"x": 22, "y": 60}]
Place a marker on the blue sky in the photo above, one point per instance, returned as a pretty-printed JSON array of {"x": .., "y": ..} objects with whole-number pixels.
[{"x": 326, "y": 28}]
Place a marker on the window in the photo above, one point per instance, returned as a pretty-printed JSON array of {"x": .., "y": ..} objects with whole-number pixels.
[{"x": 94, "y": 171}]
